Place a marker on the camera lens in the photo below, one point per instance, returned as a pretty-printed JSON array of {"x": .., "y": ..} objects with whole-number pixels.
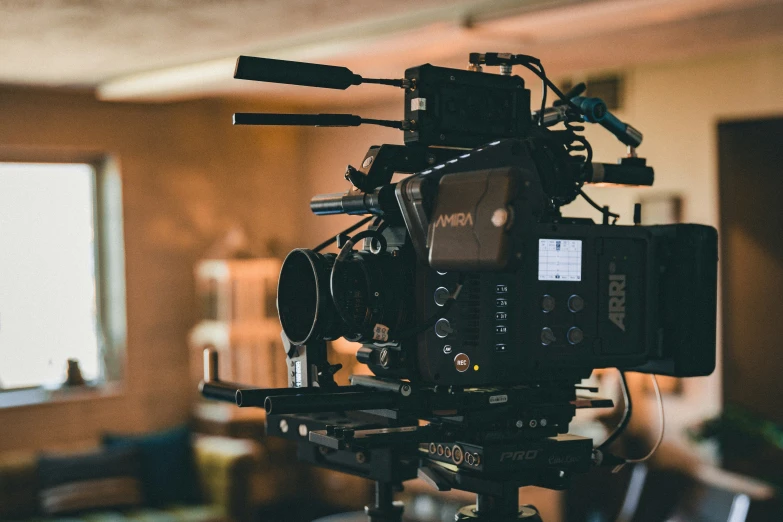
[
  {"x": 372, "y": 290},
  {"x": 304, "y": 303}
]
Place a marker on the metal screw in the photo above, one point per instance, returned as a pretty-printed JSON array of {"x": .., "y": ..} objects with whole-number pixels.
[
  {"x": 377, "y": 294},
  {"x": 543, "y": 422},
  {"x": 442, "y": 137},
  {"x": 367, "y": 162},
  {"x": 361, "y": 458},
  {"x": 302, "y": 430},
  {"x": 520, "y": 424},
  {"x": 284, "y": 426},
  {"x": 533, "y": 423},
  {"x": 500, "y": 217},
  {"x": 384, "y": 357},
  {"x": 452, "y": 78}
]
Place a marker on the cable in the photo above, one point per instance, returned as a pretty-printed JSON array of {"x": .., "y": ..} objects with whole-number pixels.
[
  {"x": 347, "y": 248},
  {"x": 628, "y": 410},
  {"x": 543, "y": 96},
  {"x": 348, "y": 230},
  {"x": 535, "y": 61},
  {"x": 663, "y": 424},
  {"x": 542, "y": 75},
  {"x": 603, "y": 457},
  {"x": 599, "y": 208}
]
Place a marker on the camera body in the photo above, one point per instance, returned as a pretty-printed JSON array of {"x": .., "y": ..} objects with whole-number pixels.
[
  {"x": 470, "y": 275},
  {"x": 542, "y": 298},
  {"x": 581, "y": 297}
]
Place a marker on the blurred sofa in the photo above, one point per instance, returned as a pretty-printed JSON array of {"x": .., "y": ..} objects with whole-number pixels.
[{"x": 224, "y": 468}]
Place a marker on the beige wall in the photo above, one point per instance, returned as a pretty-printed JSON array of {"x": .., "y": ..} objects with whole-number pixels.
[
  {"x": 677, "y": 106},
  {"x": 187, "y": 177}
]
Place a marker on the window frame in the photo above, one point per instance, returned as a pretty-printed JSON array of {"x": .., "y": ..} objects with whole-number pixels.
[{"x": 110, "y": 294}]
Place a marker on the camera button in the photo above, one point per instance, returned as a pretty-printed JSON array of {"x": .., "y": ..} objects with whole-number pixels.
[
  {"x": 547, "y": 336},
  {"x": 575, "y": 335},
  {"x": 547, "y": 303},
  {"x": 443, "y": 328},
  {"x": 442, "y": 295},
  {"x": 461, "y": 362},
  {"x": 576, "y": 303}
]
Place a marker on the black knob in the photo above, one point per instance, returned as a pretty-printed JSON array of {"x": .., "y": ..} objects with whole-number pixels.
[
  {"x": 547, "y": 336},
  {"x": 576, "y": 303},
  {"x": 575, "y": 335},
  {"x": 547, "y": 303},
  {"x": 442, "y": 295},
  {"x": 443, "y": 328}
]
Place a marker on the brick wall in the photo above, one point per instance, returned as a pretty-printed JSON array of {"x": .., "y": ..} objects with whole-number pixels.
[{"x": 188, "y": 176}]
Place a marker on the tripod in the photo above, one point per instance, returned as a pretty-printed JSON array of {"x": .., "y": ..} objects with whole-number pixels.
[{"x": 488, "y": 508}]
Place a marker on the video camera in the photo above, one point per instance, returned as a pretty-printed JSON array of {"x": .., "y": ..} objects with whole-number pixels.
[{"x": 478, "y": 305}]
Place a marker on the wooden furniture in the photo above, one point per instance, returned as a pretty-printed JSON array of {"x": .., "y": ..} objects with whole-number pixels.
[{"x": 239, "y": 321}]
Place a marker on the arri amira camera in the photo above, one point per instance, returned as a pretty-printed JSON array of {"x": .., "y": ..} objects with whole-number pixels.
[{"x": 479, "y": 307}]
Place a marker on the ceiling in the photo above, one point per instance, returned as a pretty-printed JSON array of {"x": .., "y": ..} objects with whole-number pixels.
[{"x": 177, "y": 49}]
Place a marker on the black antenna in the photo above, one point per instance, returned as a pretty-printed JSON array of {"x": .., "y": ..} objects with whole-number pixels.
[
  {"x": 314, "y": 120},
  {"x": 305, "y": 74}
]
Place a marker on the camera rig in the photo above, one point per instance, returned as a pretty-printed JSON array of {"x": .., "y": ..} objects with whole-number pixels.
[
  {"x": 487, "y": 178},
  {"x": 489, "y": 441}
]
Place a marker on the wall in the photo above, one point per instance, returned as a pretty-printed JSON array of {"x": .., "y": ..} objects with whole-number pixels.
[
  {"x": 677, "y": 106},
  {"x": 187, "y": 177}
]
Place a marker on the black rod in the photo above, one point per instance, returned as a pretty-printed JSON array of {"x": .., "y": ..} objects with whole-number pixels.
[
  {"x": 219, "y": 391},
  {"x": 295, "y": 73},
  {"x": 326, "y": 402},
  {"x": 311, "y": 120},
  {"x": 255, "y": 397},
  {"x": 619, "y": 174}
]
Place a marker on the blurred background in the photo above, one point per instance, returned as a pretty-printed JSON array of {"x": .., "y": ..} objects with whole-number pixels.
[{"x": 138, "y": 227}]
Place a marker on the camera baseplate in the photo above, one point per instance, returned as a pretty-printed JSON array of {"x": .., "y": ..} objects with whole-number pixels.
[{"x": 489, "y": 441}]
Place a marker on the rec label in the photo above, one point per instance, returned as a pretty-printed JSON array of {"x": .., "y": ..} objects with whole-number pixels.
[{"x": 461, "y": 362}]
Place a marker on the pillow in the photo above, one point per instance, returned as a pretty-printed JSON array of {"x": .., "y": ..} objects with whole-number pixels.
[
  {"x": 89, "y": 481},
  {"x": 18, "y": 486},
  {"x": 168, "y": 470}
]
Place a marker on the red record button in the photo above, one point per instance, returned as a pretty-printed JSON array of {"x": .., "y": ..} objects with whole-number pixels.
[{"x": 461, "y": 362}]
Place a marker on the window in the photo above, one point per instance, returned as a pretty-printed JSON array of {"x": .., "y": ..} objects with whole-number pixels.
[{"x": 58, "y": 247}]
